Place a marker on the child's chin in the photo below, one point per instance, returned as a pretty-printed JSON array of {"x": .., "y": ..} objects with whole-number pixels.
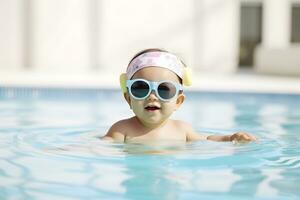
[{"x": 153, "y": 120}]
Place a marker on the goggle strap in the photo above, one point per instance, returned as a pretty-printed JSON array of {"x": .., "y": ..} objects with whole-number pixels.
[
  {"x": 187, "y": 76},
  {"x": 123, "y": 79}
]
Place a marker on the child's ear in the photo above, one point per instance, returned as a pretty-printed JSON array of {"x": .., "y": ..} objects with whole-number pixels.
[
  {"x": 179, "y": 101},
  {"x": 127, "y": 98}
]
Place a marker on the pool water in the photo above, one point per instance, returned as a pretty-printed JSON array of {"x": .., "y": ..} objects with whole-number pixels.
[{"x": 50, "y": 148}]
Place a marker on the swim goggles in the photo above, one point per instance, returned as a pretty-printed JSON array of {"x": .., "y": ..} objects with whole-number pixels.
[{"x": 140, "y": 89}]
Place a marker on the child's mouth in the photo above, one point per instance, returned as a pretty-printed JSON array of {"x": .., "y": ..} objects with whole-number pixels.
[{"x": 152, "y": 108}]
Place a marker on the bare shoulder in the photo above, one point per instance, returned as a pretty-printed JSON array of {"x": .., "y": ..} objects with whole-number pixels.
[
  {"x": 117, "y": 131},
  {"x": 191, "y": 134},
  {"x": 183, "y": 125}
]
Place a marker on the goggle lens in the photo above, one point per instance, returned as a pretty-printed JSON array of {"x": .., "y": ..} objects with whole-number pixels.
[
  {"x": 140, "y": 89},
  {"x": 166, "y": 90}
]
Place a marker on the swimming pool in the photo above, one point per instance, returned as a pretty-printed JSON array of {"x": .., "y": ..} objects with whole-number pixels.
[{"x": 50, "y": 148}]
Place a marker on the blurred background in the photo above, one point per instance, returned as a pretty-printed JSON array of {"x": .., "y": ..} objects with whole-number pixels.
[{"x": 229, "y": 44}]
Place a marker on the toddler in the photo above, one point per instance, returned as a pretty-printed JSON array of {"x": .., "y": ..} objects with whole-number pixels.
[{"x": 153, "y": 89}]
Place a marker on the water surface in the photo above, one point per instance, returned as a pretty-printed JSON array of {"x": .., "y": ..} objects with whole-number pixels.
[{"x": 50, "y": 148}]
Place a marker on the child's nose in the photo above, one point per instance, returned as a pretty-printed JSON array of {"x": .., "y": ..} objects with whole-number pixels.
[{"x": 152, "y": 96}]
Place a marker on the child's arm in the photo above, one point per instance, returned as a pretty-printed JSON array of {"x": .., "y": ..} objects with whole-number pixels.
[
  {"x": 114, "y": 136},
  {"x": 239, "y": 137},
  {"x": 191, "y": 135},
  {"x": 114, "y": 133}
]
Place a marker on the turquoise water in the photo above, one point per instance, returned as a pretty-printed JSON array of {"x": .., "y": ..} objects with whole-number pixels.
[{"x": 50, "y": 148}]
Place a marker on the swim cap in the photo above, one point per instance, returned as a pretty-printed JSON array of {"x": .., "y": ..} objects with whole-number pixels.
[{"x": 155, "y": 59}]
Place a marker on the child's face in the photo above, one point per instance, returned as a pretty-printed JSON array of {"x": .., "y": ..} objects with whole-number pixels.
[{"x": 163, "y": 109}]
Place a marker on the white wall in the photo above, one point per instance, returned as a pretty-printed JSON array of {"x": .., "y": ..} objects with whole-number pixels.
[
  {"x": 276, "y": 24},
  {"x": 12, "y": 35},
  {"x": 217, "y": 35},
  {"x": 276, "y": 55},
  {"x": 133, "y": 25},
  {"x": 203, "y": 32},
  {"x": 60, "y": 35},
  {"x": 79, "y": 36}
]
